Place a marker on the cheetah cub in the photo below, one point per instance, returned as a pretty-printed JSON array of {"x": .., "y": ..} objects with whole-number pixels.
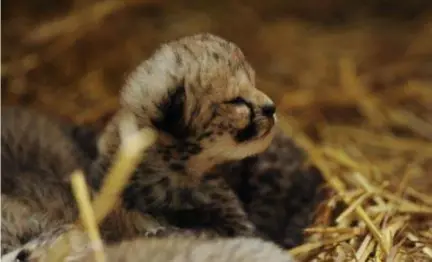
[
  {"x": 37, "y": 158},
  {"x": 171, "y": 248},
  {"x": 199, "y": 93}
]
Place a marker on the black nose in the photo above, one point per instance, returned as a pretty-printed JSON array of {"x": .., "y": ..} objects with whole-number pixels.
[{"x": 269, "y": 110}]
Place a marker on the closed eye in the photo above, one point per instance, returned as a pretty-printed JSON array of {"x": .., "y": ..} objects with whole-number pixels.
[{"x": 236, "y": 101}]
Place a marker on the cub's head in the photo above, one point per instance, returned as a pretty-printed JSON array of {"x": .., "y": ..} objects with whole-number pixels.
[{"x": 199, "y": 93}]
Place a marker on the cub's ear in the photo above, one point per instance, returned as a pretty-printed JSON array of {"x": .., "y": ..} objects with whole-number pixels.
[{"x": 171, "y": 118}]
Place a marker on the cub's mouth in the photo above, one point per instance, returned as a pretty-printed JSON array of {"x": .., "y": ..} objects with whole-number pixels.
[
  {"x": 258, "y": 128},
  {"x": 271, "y": 125}
]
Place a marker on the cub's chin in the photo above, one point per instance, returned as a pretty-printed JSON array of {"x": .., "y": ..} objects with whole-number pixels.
[
  {"x": 254, "y": 146},
  {"x": 268, "y": 127}
]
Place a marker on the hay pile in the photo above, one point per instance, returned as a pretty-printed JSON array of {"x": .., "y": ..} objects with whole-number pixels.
[{"x": 374, "y": 212}]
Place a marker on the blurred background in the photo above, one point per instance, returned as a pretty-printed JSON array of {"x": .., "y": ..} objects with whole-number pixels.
[
  {"x": 69, "y": 57},
  {"x": 359, "y": 63},
  {"x": 355, "y": 77}
]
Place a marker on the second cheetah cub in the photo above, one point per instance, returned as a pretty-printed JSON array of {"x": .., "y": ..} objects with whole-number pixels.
[
  {"x": 199, "y": 93},
  {"x": 171, "y": 248}
]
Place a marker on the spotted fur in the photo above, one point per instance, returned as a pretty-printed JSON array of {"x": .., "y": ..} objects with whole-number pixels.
[{"x": 278, "y": 191}]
